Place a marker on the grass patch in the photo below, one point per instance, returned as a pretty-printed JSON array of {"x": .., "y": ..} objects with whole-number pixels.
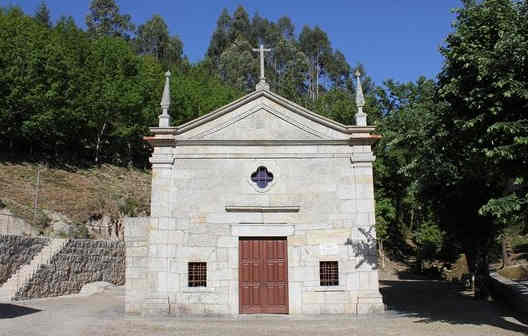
[{"x": 78, "y": 194}]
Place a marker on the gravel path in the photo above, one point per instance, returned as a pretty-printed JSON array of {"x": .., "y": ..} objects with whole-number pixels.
[{"x": 418, "y": 307}]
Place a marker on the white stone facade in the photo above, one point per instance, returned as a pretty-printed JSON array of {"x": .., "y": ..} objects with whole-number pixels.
[{"x": 321, "y": 198}]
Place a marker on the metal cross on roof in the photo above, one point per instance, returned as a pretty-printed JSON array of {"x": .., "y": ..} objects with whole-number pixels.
[{"x": 261, "y": 50}]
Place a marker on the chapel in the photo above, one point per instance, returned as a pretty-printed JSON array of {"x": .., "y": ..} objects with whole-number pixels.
[{"x": 258, "y": 207}]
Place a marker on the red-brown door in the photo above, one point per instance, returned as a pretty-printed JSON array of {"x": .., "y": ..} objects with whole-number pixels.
[{"x": 263, "y": 275}]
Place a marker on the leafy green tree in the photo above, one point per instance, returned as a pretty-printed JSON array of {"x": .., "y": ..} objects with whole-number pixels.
[
  {"x": 240, "y": 26},
  {"x": 196, "y": 92},
  {"x": 153, "y": 39},
  {"x": 315, "y": 45},
  {"x": 220, "y": 38},
  {"x": 42, "y": 15},
  {"x": 404, "y": 110},
  {"x": 238, "y": 65},
  {"x": 104, "y": 19},
  {"x": 474, "y": 159}
]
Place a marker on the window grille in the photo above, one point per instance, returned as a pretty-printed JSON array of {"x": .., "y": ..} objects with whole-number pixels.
[
  {"x": 328, "y": 273},
  {"x": 197, "y": 274},
  {"x": 262, "y": 177}
]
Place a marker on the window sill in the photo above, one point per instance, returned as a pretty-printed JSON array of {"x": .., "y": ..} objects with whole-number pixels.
[
  {"x": 198, "y": 290},
  {"x": 328, "y": 289}
]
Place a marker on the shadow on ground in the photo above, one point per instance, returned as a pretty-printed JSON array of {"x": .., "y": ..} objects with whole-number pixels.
[
  {"x": 12, "y": 311},
  {"x": 438, "y": 301}
]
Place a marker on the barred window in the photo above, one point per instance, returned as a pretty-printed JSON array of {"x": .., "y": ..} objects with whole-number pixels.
[
  {"x": 197, "y": 274},
  {"x": 329, "y": 273}
]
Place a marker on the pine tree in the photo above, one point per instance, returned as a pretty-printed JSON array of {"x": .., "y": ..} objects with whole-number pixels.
[
  {"x": 42, "y": 15},
  {"x": 105, "y": 20}
]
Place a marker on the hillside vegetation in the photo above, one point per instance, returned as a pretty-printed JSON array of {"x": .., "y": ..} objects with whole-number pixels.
[{"x": 73, "y": 201}]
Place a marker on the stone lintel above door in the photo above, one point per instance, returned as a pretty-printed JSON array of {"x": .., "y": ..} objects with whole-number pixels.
[{"x": 262, "y": 229}]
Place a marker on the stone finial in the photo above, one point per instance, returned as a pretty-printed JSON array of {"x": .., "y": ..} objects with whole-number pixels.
[
  {"x": 361, "y": 117},
  {"x": 262, "y": 85},
  {"x": 164, "y": 118}
]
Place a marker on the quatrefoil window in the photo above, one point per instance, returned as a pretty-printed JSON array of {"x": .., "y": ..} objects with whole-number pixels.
[{"x": 262, "y": 177}]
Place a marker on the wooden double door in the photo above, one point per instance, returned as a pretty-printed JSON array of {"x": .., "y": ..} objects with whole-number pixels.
[{"x": 263, "y": 275}]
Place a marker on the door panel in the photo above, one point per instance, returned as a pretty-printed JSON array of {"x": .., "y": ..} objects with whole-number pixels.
[{"x": 263, "y": 275}]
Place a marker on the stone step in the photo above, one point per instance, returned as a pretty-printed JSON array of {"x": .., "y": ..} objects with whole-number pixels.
[{"x": 18, "y": 280}]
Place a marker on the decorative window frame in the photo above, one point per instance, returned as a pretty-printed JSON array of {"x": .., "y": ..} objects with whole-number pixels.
[{"x": 271, "y": 166}]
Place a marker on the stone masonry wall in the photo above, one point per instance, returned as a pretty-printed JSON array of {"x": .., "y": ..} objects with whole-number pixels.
[
  {"x": 16, "y": 251},
  {"x": 335, "y": 222},
  {"x": 136, "y": 238},
  {"x": 81, "y": 261}
]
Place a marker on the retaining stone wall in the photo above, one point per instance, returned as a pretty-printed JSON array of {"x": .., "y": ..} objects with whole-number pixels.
[
  {"x": 16, "y": 251},
  {"x": 81, "y": 261},
  {"x": 510, "y": 292}
]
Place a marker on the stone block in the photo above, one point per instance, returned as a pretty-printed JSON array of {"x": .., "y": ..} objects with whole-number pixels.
[
  {"x": 177, "y": 266},
  {"x": 135, "y": 272},
  {"x": 297, "y": 240},
  {"x": 187, "y": 309},
  {"x": 159, "y": 264},
  {"x": 222, "y": 255},
  {"x": 153, "y": 225},
  {"x": 163, "y": 281},
  {"x": 188, "y": 254},
  {"x": 212, "y": 298},
  {"x": 175, "y": 237},
  {"x": 346, "y": 192},
  {"x": 227, "y": 241},
  {"x": 156, "y": 305},
  {"x": 352, "y": 281},
  {"x": 158, "y": 237},
  {"x": 335, "y": 236},
  {"x": 333, "y": 308},
  {"x": 219, "y": 229},
  {"x": 348, "y": 206},
  {"x": 158, "y": 251},
  {"x": 365, "y": 205},
  {"x": 136, "y": 251},
  {"x": 311, "y": 309},
  {"x": 220, "y": 271},
  {"x": 313, "y": 297},
  {"x": 164, "y": 223},
  {"x": 336, "y": 297},
  {"x": 307, "y": 273},
  {"x": 363, "y": 280},
  {"x": 172, "y": 251},
  {"x": 173, "y": 282},
  {"x": 201, "y": 240},
  {"x": 295, "y": 290}
]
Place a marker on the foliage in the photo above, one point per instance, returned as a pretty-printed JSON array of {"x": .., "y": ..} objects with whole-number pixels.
[
  {"x": 42, "y": 15},
  {"x": 105, "y": 20},
  {"x": 153, "y": 39},
  {"x": 301, "y": 69},
  {"x": 88, "y": 100},
  {"x": 429, "y": 239},
  {"x": 472, "y": 162}
]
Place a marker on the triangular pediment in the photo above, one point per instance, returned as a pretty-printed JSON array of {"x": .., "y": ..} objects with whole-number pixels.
[
  {"x": 260, "y": 117},
  {"x": 261, "y": 122}
]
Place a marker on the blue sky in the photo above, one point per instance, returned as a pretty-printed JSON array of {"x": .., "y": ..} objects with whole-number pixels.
[{"x": 396, "y": 39}]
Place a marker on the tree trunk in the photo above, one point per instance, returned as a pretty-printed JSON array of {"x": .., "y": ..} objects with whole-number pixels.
[
  {"x": 506, "y": 251},
  {"x": 478, "y": 264},
  {"x": 98, "y": 144}
]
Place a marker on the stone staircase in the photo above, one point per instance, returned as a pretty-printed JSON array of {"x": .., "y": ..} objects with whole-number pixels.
[{"x": 24, "y": 274}]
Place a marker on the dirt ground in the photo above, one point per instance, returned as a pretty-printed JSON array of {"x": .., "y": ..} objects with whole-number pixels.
[{"x": 416, "y": 308}]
